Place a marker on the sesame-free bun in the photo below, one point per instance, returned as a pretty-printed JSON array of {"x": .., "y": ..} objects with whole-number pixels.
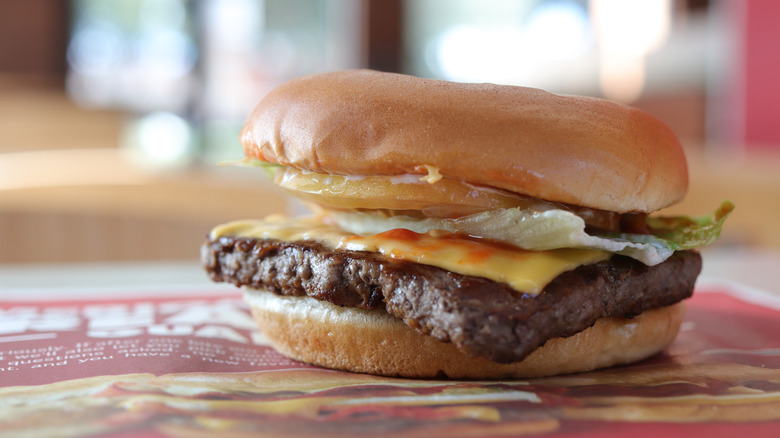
[
  {"x": 574, "y": 150},
  {"x": 357, "y": 340}
]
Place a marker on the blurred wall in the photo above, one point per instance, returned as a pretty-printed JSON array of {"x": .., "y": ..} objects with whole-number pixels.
[
  {"x": 114, "y": 158},
  {"x": 757, "y": 94},
  {"x": 33, "y": 37}
]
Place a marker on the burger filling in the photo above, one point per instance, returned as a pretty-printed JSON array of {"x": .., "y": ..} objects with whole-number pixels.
[
  {"x": 523, "y": 270},
  {"x": 495, "y": 273},
  {"x": 375, "y": 204},
  {"x": 481, "y": 317}
]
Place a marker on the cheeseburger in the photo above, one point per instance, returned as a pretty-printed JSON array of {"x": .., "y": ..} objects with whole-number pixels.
[{"x": 462, "y": 230}]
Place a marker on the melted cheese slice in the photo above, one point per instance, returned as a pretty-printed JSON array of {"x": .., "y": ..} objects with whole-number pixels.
[{"x": 525, "y": 271}]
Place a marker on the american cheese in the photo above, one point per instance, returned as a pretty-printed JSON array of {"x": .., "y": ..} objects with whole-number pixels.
[{"x": 525, "y": 271}]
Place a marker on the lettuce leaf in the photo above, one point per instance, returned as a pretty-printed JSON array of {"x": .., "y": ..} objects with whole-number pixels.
[
  {"x": 683, "y": 232},
  {"x": 553, "y": 229},
  {"x": 673, "y": 233}
]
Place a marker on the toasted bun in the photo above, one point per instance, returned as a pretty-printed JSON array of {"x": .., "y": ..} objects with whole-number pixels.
[
  {"x": 574, "y": 150},
  {"x": 374, "y": 342}
]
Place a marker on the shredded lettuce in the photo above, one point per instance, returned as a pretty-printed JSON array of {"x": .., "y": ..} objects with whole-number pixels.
[{"x": 553, "y": 229}]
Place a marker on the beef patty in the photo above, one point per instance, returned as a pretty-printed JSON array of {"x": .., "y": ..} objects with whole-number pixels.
[{"x": 481, "y": 317}]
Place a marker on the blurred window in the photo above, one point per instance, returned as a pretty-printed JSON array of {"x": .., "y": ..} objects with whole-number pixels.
[{"x": 201, "y": 65}]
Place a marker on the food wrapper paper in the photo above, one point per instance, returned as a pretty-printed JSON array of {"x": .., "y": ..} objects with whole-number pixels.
[{"x": 167, "y": 366}]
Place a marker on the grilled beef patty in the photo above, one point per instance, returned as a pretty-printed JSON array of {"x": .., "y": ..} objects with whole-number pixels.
[{"x": 481, "y": 317}]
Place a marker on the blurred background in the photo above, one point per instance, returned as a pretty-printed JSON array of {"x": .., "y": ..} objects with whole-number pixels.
[{"x": 114, "y": 114}]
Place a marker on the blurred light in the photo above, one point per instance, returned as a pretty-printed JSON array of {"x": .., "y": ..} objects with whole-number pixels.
[
  {"x": 473, "y": 54},
  {"x": 628, "y": 30},
  {"x": 166, "y": 54},
  {"x": 622, "y": 79},
  {"x": 232, "y": 30},
  {"x": 96, "y": 49},
  {"x": 554, "y": 31},
  {"x": 164, "y": 137},
  {"x": 236, "y": 23},
  {"x": 631, "y": 27},
  {"x": 558, "y": 30}
]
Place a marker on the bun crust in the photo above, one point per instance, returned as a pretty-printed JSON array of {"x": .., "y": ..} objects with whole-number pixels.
[
  {"x": 575, "y": 150},
  {"x": 374, "y": 342}
]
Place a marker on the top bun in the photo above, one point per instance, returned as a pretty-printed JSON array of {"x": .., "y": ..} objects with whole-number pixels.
[{"x": 574, "y": 150}]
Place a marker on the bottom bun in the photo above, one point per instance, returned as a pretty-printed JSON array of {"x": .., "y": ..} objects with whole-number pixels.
[{"x": 374, "y": 342}]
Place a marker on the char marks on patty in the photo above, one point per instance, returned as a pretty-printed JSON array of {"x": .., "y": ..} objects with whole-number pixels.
[{"x": 481, "y": 317}]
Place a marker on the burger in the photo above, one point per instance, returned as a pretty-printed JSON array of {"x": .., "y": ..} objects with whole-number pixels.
[{"x": 467, "y": 231}]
